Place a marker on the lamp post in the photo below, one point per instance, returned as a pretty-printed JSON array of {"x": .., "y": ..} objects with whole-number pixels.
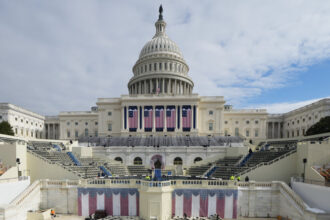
[
  {"x": 304, "y": 161},
  {"x": 18, "y": 162}
]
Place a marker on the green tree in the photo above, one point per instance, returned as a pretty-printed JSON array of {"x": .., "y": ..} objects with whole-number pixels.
[
  {"x": 323, "y": 126},
  {"x": 5, "y": 128}
]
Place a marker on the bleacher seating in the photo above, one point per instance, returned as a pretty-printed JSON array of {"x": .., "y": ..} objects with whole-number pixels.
[
  {"x": 232, "y": 166},
  {"x": 226, "y": 167},
  {"x": 138, "y": 170},
  {"x": 198, "y": 170},
  {"x": 83, "y": 167},
  {"x": 158, "y": 141}
]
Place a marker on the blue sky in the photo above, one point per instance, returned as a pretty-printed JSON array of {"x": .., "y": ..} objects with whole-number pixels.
[{"x": 63, "y": 55}]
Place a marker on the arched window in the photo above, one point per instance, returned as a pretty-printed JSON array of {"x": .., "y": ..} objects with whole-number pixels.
[
  {"x": 177, "y": 161},
  {"x": 137, "y": 161},
  {"x": 119, "y": 159},
  {"x": 197, "y": 159}
]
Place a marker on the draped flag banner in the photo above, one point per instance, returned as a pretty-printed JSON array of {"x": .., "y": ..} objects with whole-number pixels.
[
  {"x": 159, "y": 117},
  {"x": 170, "y": 118},
  {"x": 148, "y": 122},
  {"x": 186, "y": 118},
  {"x": 115, "y": 201},
  {"x": 204, "y": 202},
  {"x": 132, "y": 118}
]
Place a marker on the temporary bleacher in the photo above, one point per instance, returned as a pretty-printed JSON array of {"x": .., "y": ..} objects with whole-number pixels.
[
  {"x": 158, "y": 141},
  {"x": 264, "y": 156},
  {"x": 83, "y": 167},
  {"x": 226, "y": 167},
  {"x": 198, "y": 170},
  {"x": 138, "y": 170}
]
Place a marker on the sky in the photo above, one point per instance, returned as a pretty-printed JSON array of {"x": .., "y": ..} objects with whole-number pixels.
[{"x": 62, "y": 55}]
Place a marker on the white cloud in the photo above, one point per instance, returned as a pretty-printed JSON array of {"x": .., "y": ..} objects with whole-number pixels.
[
  {"x": 63, "y": 55},
  {"x": 283, "y": 107}
]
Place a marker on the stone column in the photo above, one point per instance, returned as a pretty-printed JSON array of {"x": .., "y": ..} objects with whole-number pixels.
[
  {"x": 138, "y": 110},
  {"x": 165, "y": 123},
  {"x": 180, "y": 118},
  {"x": 142, "y": 118},
  {"x": 54, "y": 131},
  {"x": 157, "y": 84},
  {"x": 151, "y": 86},
  {"x": 145, "y": 86},
  {"x": 175, "y": 88},
  {"x": 279, "y": 130},
  {"x": 163, "y": 85},
  {"x": 153, "y": 119},
  {"x": 122, "y": 119},
  {"x": 273, "y": 129},
  {"x": 176, "y": 118},
  {"x": 192, "y": 118}
]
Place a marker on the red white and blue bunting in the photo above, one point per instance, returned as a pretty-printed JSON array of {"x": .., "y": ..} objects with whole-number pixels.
[
  {"x": 204, "y": 202},
  {"x": 115, "y": 201}
]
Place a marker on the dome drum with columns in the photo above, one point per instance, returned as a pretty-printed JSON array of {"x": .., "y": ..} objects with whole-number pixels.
[{"x": 160, "y": 67}]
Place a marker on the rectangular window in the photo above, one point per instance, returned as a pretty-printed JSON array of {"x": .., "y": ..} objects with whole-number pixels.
[
  {"x": 76, "y": 134},
  {"x": 256, "y": 133},
  {"x": 160, "y": 66},
  {"x": 96, "y": 133},
  {"x": 236, "y": 131},
  {"x": 211, "y": 126},
  {"x": 247, "y": 133},
  {"x": 226, "y": 132},
  {"x": 109, "y": 127},
  {"x": 150, "y": 67},
  {"x": 155, "y": 66},
  {"x": 68, "y": 134},
  {"x": 109, "y": 113},
  {"x": 210, "y": 112},
  {"x": 165, "y": 66}
]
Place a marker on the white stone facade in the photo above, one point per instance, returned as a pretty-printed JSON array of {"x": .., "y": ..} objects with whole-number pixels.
[
  {"x": 24, "y": 122},
  {"x": 160, "y": 83},
  {"x": 295, "y": 123}
]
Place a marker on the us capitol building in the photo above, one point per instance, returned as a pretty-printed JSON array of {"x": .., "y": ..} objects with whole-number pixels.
[{"x": 161, "y": 102}]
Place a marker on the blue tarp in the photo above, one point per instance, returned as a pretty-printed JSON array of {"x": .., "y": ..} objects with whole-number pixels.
[
  {"x": 74, "y": 159},
  {"x": 105, "y": 171},
  {"x": 57, "y": 147}
]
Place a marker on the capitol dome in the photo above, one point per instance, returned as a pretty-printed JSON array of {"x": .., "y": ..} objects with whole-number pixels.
[
  {"x": 161, "y": 68},
  {"x": 160, "y": 44}
]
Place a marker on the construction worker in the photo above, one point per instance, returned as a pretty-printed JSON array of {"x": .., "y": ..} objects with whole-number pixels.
[
  {"x": 147, "y": 177},
  {"x": 238, "y": 178},
  {"x": 232, "y": 178},
  {"x": 52, "y": 213}
]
